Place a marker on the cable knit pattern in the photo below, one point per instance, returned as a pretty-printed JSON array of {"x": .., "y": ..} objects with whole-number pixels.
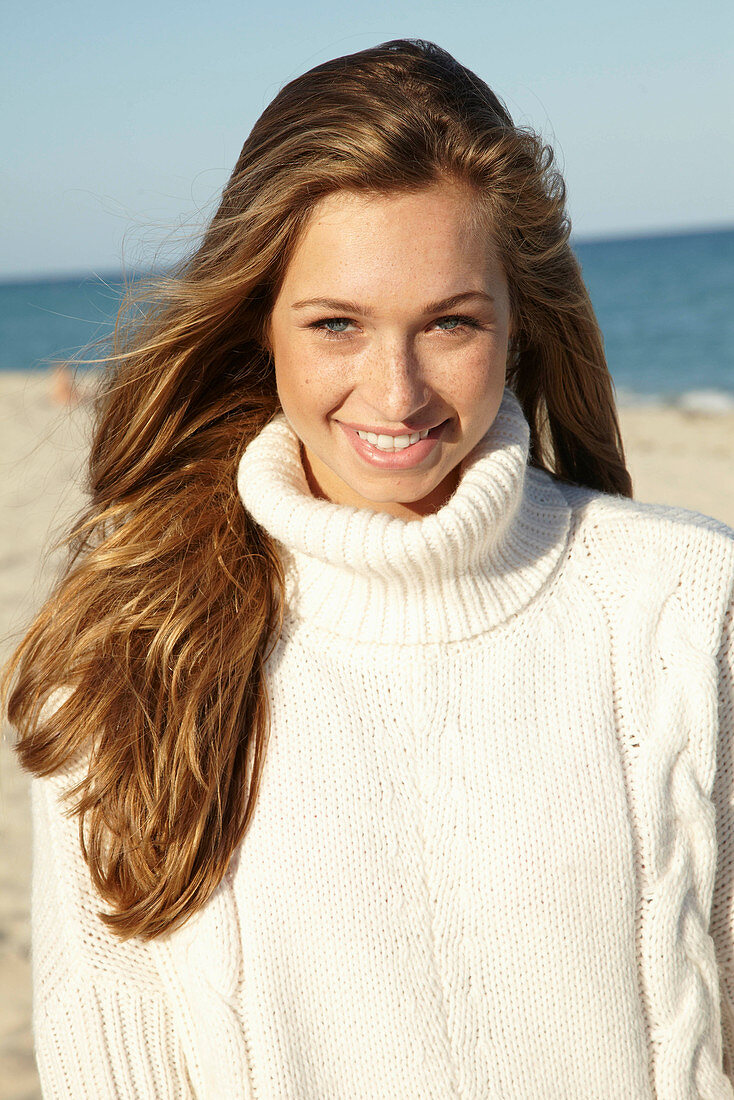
[
  {"x": 722, "y": 911},
  {"x": 670, "y": 757},
  {"x": 493, "y": 850}
]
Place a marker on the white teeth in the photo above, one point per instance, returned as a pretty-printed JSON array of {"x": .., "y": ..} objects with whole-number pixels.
[{"x": 393, "y": 442}]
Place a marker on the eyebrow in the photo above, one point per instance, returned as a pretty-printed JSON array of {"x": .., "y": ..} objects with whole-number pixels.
[{"x": 354, "y": 307}]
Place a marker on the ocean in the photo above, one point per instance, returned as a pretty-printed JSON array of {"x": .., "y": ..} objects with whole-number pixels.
[{"x": 665, "y": 305}]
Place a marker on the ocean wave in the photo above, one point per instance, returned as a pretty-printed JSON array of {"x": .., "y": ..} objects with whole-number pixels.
[{"x": 711, "y": 402}]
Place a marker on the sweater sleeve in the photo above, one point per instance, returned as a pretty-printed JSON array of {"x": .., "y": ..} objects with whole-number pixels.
[
  {"x": 103, "y": 1028},
  {"x": 722, "y": 913}
]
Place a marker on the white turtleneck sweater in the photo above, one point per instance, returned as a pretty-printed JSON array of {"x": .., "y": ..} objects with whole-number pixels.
[{"x": 493, "y": 850}]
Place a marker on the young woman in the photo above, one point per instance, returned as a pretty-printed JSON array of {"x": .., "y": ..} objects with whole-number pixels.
[{"x": 382, "y": 743}]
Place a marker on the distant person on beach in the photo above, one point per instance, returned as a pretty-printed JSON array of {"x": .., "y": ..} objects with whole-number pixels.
[
  {"x": 62, "y": 388},
  {"x": 382, "y": 744}
]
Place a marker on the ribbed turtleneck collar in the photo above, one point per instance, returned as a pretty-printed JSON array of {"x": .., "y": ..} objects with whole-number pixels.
[{"x": 371, "y": 577}]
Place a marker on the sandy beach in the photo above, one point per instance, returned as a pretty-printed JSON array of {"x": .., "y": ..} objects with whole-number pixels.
[{"x": 675, "y": 457}]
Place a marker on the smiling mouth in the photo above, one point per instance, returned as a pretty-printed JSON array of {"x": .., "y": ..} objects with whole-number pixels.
[
  {"x": 392, "y": 442},
  {"x": 388, "y": 437}
]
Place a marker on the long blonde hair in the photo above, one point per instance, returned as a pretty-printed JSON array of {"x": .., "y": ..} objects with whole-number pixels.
[{"x": 170, "y": 603}]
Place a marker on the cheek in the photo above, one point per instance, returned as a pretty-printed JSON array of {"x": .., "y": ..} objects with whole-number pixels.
[
  {"x": 313, "y": 385},
  {"x": 293, "y": 372},
  {"x": 477, "y": 383}
]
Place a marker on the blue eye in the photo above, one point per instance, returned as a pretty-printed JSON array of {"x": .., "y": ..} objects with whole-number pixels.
[
  {"x": 332, "y": 321},
  {"x": 462, "y": 324}
]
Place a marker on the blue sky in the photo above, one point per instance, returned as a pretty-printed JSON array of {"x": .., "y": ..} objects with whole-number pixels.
[{"x": 125, "y": 120}]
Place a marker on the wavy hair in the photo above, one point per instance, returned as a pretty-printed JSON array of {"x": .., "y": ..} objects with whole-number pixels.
[{"x": 170, "y": 601}]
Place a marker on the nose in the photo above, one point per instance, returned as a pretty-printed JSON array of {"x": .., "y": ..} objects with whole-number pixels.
[{"x": 396, "y": 384}]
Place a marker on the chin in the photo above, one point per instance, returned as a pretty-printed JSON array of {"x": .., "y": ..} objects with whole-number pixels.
[{"x": 401, "y": 497}]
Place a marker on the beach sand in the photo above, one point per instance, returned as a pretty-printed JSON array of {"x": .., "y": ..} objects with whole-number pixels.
[{"x": 679, "y": 458}]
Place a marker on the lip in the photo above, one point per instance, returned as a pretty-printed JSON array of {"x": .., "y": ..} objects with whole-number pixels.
[{"x": 394, "y": 460}]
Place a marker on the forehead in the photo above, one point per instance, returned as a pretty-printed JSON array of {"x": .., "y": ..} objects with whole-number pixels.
[{"x": 374, "y": 233}]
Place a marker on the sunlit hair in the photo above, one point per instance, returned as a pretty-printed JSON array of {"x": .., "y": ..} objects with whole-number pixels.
[{"x": 162, "y": 621}]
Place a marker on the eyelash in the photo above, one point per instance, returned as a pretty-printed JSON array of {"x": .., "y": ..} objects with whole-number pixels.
[{"x": 466, "y": 322}]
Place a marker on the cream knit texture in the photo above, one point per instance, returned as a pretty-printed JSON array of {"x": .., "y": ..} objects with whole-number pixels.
[{"x": 493, "y": 850}]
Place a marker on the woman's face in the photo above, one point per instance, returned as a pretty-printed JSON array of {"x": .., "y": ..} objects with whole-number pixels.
[{"x": 393, "y": 319}]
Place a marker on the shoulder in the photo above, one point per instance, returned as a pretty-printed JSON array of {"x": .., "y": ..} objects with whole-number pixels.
[
  {"x": 630, "y": 528},
  {"x": 628, "y": 546}
]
